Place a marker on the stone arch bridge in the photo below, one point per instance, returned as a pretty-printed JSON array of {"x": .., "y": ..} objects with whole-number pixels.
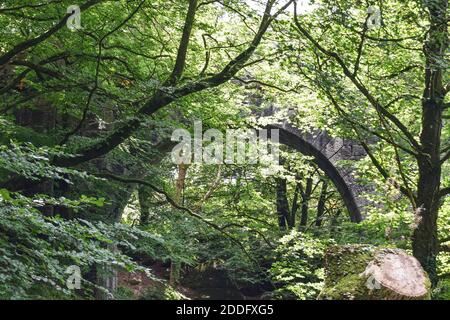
[{"x": 326, "y": 152}]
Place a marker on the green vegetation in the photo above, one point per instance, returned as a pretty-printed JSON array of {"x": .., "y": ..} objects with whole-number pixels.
[{"x": 87, "y": 178}]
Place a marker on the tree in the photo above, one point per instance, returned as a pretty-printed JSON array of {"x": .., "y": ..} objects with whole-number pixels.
[
  {"x": 332, "y": 60},
  {"x": 172, "y": 89}
]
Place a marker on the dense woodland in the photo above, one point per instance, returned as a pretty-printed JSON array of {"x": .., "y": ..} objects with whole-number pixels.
[{"x": 89, "y": 101}]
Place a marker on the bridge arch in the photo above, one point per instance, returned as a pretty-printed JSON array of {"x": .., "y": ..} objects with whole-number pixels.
[{"x": 292, "y": 138}]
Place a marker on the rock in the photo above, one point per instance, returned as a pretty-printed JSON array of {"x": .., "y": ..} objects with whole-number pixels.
[{"x": 363, "y": 272}]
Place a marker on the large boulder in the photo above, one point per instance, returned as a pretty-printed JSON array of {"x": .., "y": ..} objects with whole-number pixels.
[{"x": 363, "y": 272}]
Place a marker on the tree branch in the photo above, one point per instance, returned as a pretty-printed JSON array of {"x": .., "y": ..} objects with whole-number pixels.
[
  {"x": 174, "y": 204},
  {"x": 161, "y": 98},
  {"x": 5, "y": 58},
  {"x": 180, "y": 61},
  {"x": 357, "y": 83}
]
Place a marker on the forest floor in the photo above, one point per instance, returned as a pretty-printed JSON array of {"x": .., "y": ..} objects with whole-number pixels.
[{"x": 210, "y": 284}]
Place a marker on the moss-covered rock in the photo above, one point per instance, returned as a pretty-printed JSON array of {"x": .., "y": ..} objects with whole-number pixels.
[{"x": 363, "y": 272}]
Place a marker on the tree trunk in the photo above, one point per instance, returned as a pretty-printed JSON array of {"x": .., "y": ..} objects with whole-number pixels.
[
  {"x": 425, "y": 242},
  {"x": 106, "y": 278},
  {"x": 334, "y": 223},
  {"x": 144, "y": 194},
  {"x": 182, "y": 172},
  {"x": 364, "y": 272},
  {"x": 282, "y": 204},
  {"x": 321, "y": 204},
  {"x": 306, "y": 195},
  {"x": 175, "y": 266},
  {"x": 294, "y": 205}
]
